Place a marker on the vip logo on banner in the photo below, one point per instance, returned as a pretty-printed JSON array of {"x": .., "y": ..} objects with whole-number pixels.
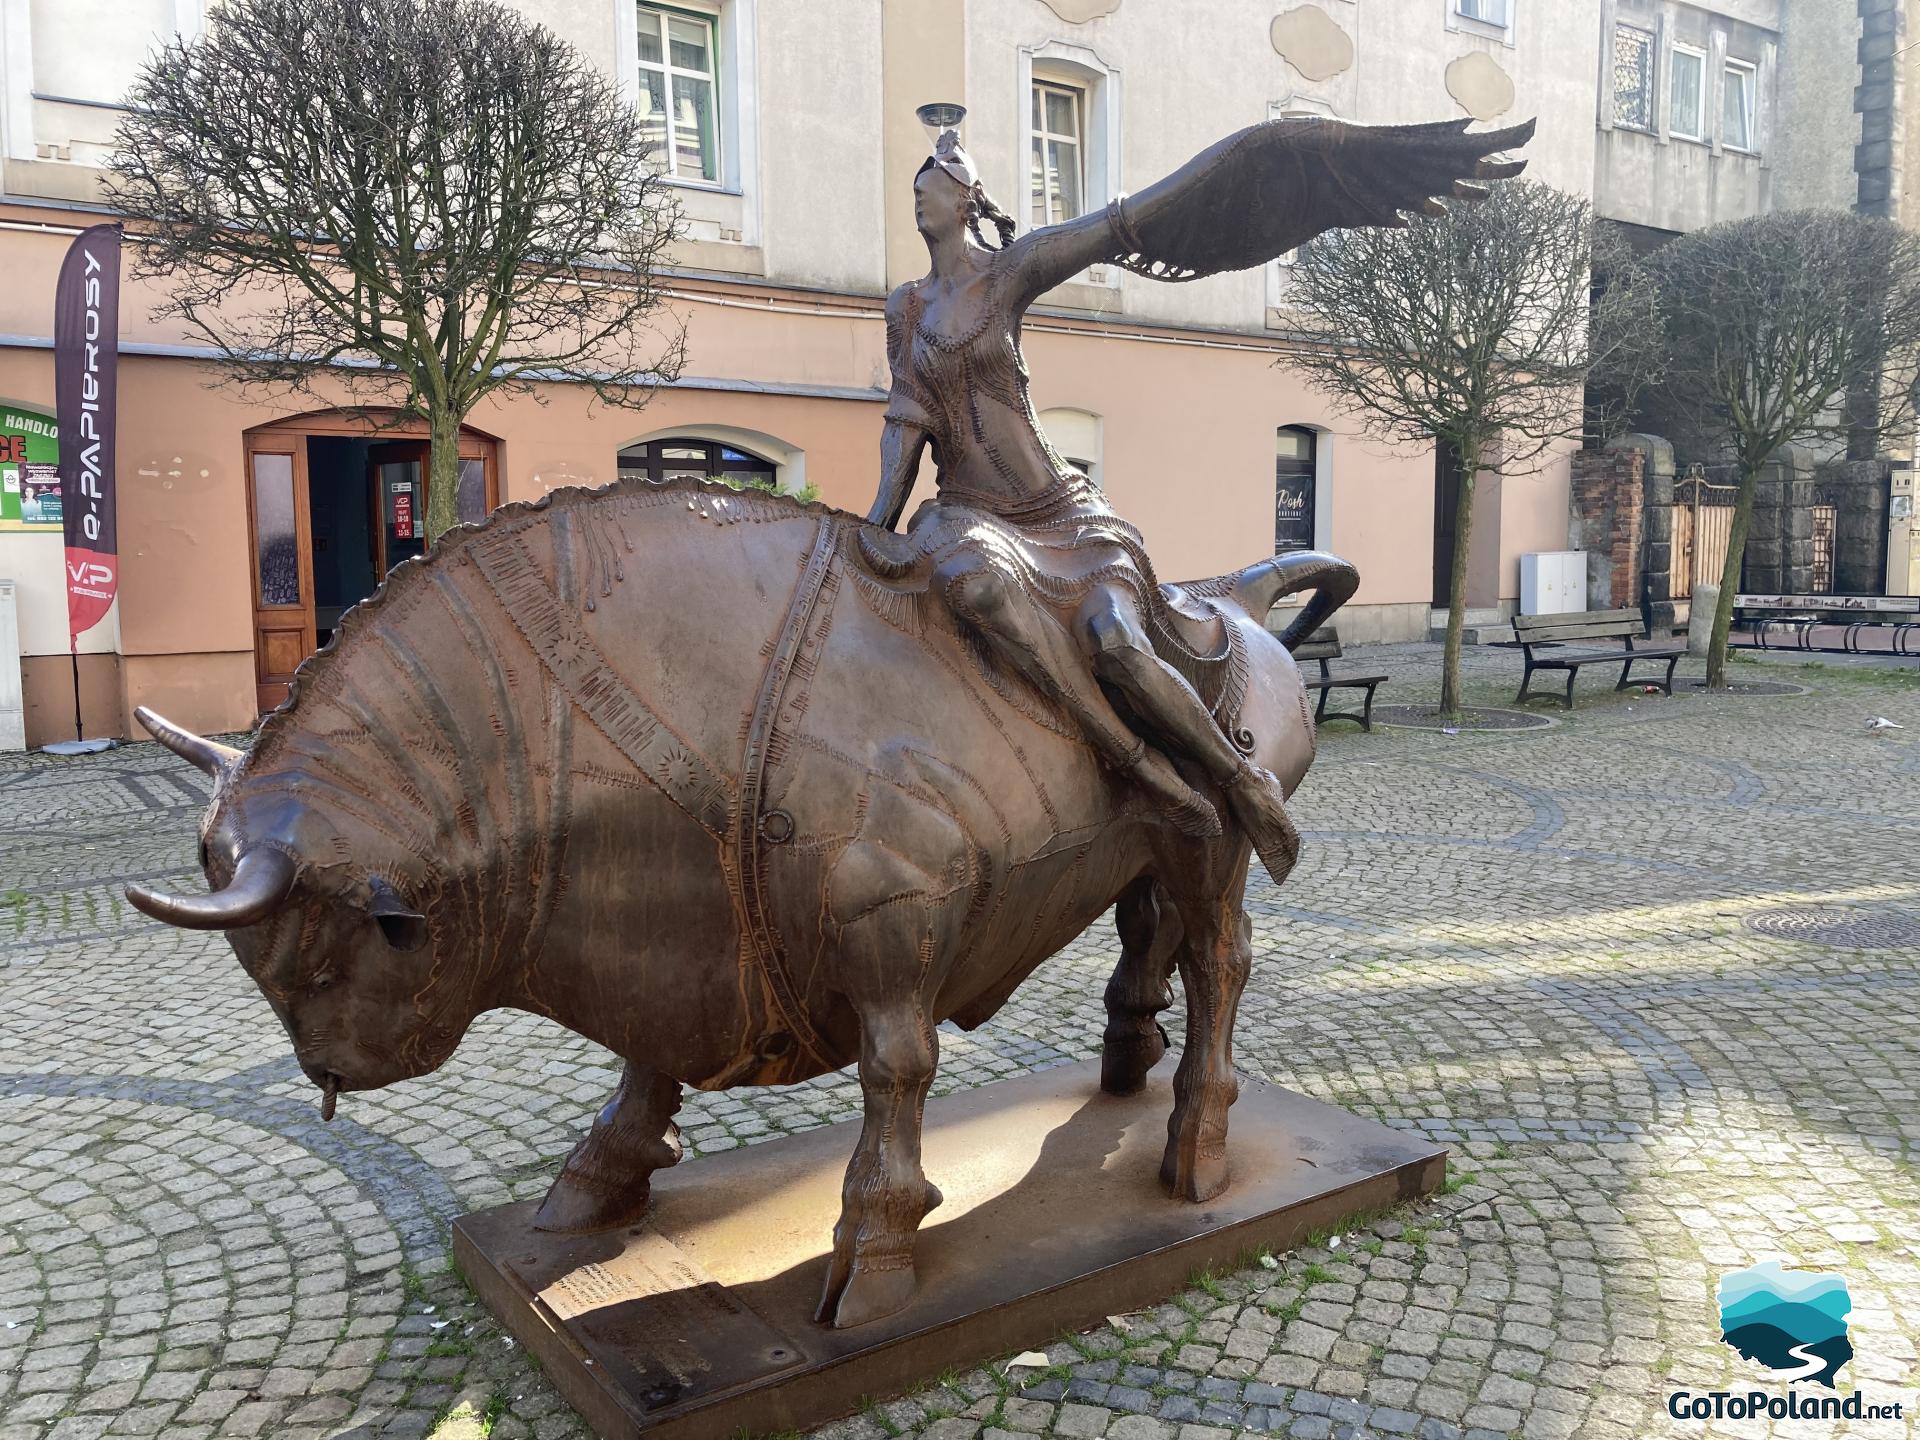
[{"x": 86, "y": 352}]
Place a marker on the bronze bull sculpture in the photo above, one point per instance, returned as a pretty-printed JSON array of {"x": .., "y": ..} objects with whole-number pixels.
[
  {"x": 747, "y": 790},
  {"x": 525, "y": 776}
]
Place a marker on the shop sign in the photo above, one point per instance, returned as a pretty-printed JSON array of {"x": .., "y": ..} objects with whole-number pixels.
[{"x": 29, "y": 469}]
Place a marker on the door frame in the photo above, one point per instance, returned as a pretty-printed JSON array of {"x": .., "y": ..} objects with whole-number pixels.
[{"x": 289, "y": 437}]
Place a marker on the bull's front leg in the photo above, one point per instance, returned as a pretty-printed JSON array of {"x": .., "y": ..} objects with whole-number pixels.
[
  {"x": 608, "y": 1178},
  {"x": 886, "y": 1192}
]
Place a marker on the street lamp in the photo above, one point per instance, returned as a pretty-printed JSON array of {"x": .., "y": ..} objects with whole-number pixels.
[{"x": 939, "y": 118}]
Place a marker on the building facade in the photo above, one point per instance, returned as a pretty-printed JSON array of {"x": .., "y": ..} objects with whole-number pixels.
[
  {"x": 1715, "y": 110},
  {"x": 247, "y": 524}
]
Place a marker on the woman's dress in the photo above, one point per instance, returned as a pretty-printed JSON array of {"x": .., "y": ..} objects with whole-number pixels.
[{"x": 1006, "y": 495}]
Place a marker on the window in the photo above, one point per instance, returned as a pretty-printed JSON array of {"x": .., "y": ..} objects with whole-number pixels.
[
  {"x": 679, "y": 106},
  {"x": 1059, "y": 179},
  {"x": 1736, "y": 106},
  {"x": 276, "y": 534},
  {"x": 1633, "y": 77},
  {"x": 1295, "y": 473},
  {"x": 1686, "y": 94},
  {"x": 1489, "y": 12},
  {"x": 674, "y": 459},
  {"x": 1076, "y": 435}
]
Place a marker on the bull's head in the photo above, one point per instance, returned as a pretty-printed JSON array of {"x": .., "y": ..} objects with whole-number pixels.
[{"x": 328, "y": 917}]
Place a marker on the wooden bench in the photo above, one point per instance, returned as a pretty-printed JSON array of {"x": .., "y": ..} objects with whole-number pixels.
[
  {"x": 1533, "y": 633},
  {"x": 1324, "y": 645}
]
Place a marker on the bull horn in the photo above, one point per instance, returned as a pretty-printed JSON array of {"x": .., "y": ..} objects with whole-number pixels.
[
  {"x": 261, "y": 883},
  {"x": 209, "y": 755}
]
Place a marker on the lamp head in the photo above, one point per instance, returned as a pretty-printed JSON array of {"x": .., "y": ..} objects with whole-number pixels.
[{"x": 939, "y": 117}]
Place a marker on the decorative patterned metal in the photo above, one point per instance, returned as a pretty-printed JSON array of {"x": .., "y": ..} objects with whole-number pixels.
[
  {"x": 1825, "y": 518},
  {"x": 1632, "y": 77},
  {"x": 1702, "y": 525},
  {"x": 1842, "y": 927}
]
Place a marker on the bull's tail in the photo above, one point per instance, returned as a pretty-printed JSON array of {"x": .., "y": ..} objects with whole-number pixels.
[{"x": 1256, "y": 589}]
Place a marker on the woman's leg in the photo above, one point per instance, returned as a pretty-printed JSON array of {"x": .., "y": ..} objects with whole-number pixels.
[
  {"x": 1167, "y": 705},
  {"x": 1030, "y": 640}
]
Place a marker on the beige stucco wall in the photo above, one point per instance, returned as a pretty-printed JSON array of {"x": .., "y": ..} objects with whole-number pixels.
[
  {"x": 1186, "y": 423},
  {"x": 1185, "y": 85},
  {"x": 1818, "y": 69},
  {"x": 821, "y": 201},
  {"x": 1806, "y": 127},
  {"x": 801, "y": 108}
]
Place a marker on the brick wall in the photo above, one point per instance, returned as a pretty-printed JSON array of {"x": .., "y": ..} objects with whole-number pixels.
[{"x": 1609, "y": 488}]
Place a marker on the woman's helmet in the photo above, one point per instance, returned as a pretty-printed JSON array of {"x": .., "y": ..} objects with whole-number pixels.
[{"x": 949, "y": 155}]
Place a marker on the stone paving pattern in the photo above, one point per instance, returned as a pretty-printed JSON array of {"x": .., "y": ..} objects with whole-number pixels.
[{"x": 1530, "y": 946}]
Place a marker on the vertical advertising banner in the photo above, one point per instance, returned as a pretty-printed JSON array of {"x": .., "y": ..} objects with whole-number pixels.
[{"x": 86, "y": 352}]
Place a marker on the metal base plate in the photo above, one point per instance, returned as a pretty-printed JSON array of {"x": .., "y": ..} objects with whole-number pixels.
[{"x": 698, "y": 1325}]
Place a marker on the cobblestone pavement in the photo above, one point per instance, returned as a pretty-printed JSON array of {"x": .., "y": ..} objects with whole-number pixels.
[{"x": 1535, "y": 947}]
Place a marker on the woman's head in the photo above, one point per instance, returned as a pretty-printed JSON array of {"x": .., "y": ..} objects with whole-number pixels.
[{"x": 949, "y": 200}]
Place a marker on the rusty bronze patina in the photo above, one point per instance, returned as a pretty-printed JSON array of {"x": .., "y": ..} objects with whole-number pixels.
[
  {"x": 693, "y": 1325},
  {"x": 747, "y": 789}
]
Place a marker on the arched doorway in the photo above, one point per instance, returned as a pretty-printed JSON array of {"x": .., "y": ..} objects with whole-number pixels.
[{"x": 335, "y": 501}]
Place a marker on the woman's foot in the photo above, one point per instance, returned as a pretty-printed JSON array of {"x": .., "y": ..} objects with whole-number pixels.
[
  {"x": 1190, "y": 812},
  {"x": 1260, "y": 807}
]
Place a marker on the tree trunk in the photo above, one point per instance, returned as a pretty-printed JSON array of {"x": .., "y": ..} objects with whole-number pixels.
[
  {"x": 1457, "y": 585},
  {"x": 443, "y": 478},
  {"x": 1730, "y": 578}
]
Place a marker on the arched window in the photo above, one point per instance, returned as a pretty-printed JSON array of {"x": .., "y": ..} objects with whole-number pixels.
[
  {"x": 1296, "y": 473},
  {"x": 679, "y": 456}
]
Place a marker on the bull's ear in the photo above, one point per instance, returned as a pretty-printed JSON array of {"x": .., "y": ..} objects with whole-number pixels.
[{"x": 404, "y": 928}]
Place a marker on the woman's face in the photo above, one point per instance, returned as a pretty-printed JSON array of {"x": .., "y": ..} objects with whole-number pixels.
[{"x": 939, "y": 204}]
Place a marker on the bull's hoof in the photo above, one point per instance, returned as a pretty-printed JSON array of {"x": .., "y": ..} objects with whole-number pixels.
[
  {"x": 864, "y": 1295},
  {"x": 1126, "y": 1059},
  {"x": 580, "y": 1205},
  {"x": 1196, "y": 1177}
]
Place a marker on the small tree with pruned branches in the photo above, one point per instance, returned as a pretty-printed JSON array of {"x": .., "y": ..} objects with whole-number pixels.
[
  {"x": 1476, "y": 328},
  {"x": 425, "y": 201},
  {"x": 1782, "y": 328}
]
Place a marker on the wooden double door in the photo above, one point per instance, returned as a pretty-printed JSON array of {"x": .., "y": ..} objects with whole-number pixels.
[{"x": 333, "y": 504}]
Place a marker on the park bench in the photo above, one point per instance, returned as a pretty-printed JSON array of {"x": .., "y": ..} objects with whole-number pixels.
[
  {"x": 1536, "y": 633},
  {"x": 1324, "y": 645}
]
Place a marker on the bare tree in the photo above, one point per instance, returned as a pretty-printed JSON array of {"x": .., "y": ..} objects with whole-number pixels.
[
  {"x": 1787, "y": 327},
  {"x": 1476, "y": 329},
  {"x": 424, "y": 201}
]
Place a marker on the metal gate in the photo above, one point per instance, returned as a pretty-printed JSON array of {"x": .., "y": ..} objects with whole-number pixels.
[
  {"x": 1702, "y": 525},
  {"x": 1824, "y": 519}
]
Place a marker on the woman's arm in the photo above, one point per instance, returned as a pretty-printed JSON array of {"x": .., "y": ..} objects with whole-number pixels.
[
  {"x": 900, "y": 447},
  {"x": 1042, "y": 259}
]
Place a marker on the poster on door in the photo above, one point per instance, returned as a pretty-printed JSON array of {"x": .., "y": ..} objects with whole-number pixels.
[
  {"x": 1292, "y": 513},
  {"x": 403, "y": 512},
  {"x": 29, "y": 469}
]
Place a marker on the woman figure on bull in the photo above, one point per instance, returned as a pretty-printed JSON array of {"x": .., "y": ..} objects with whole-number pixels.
[{"x": 1026, "y": 549}]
